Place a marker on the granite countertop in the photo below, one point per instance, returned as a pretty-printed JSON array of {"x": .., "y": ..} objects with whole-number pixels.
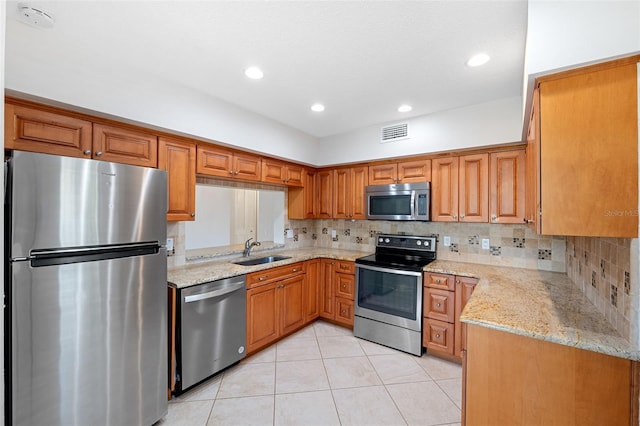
[
  {"x": 201, "y": 272},
  {"x": 539, "y": 304}
]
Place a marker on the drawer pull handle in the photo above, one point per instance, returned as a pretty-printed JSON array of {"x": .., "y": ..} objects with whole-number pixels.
[
  {"x": 437, "y": 336},
  {"x": 294, "y": 270}
]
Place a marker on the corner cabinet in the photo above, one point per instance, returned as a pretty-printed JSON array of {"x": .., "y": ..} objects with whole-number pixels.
[
  {"x": 281, "y": 173},
  {"x": 588, "y": 151},
  {"x": 178, "y": 158}
]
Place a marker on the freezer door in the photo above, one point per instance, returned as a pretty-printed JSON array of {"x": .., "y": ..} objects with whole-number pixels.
[
  {"x": 89, "y": 342},
  {"x": 60, "y": 201}
]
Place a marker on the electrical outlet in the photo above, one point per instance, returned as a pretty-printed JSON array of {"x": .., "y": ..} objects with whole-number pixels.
[
  {"x": 447, "y": 241},
  {"x": 170, "y": 249},
  {"x": 333, "y": 233},
  {"x": 289, "y": 233},
  {"x": 485, "y": 244}
]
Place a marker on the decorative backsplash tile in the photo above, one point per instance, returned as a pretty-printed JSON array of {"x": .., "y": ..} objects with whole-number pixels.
[
  {"x": 599, "y": 267},
  {"x": 453, "y": 248},
  {"x": 544, "y": 254},
  {"x": 495, "y": 251}
]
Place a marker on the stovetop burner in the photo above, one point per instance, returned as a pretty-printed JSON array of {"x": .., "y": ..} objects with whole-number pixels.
[{"x": 402, "y": 252}]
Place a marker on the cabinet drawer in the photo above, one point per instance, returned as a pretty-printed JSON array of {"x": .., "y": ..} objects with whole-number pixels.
[
  {"x": 345, "y": 267},
  {"x": 439, "y": 304},
  {"x": 268, "y": 275},
  {"x": 438, "y": 336},
  {"x": 344, "y": 311},
  {"x": 441, "y": 281},
  {"x": 345, "y": 285}
]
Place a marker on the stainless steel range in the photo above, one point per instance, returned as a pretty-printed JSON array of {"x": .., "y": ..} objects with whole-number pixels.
[{"x": 388, "y": 307}]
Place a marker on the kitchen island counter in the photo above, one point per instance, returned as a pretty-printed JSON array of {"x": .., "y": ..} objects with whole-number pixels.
[
  {"x": 201, "y": 272},
  {"x": 538, "y": 304}
]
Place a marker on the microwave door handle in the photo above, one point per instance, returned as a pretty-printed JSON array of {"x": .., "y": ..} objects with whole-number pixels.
[{"x": 414, "y": 204}]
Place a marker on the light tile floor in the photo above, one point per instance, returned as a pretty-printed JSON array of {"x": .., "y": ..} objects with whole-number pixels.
[{"x": 322, "y": 375}]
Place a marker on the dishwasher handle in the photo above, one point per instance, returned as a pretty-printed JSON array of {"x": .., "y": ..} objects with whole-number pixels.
[{"x": 215, "y": 293}]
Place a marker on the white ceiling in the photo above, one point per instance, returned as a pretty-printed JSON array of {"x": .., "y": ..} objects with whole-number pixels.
[{"x": 362, "y": 59}]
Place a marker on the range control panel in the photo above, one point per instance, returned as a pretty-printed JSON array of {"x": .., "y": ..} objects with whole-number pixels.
[{"x": 408, "y": 242}]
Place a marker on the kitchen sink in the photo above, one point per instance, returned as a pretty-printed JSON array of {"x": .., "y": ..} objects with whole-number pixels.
[{"x": 261, "y": 260}]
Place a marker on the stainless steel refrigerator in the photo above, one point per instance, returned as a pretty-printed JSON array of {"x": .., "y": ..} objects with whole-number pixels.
[{"x": 86, "y": 292}]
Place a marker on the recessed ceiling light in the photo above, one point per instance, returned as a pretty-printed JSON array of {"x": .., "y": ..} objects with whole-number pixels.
[
  {"x": 254, "y": 73},
  {"x": 317, "y": 107},
  {"x": 477, "y": 60},
  {"x": 405, "y": 108}
]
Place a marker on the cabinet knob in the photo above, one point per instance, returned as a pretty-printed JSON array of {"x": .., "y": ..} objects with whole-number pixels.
[
  {"x": 344, "y": 286},
  {"x": 494, "y": 218},
  {"x": 87, "y": 152},
  {"x": 230, "y": 172},
  {"x": 458, "y": 281},
  {"x": 437, "y": 305},
  {"x": 438, "y": 281},
  {"x": 236, "y": 172},
  {"x": 294, "y": 270},
  {"x": 193, "y": 215},
  {"x": 461, "y": 216},
  {"x": 262, "y": 278},
  {"x": 437, "y": 336},
  {"x": 454, "y": 216},
  {"x": 343, "y": 312},
  {"x": 98, "y": 153}
]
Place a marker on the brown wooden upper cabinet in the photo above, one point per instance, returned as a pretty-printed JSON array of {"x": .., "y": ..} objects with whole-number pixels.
[
  {"x": 348, "y": 193},
  {"x": 402, "y": 172},
  {"x": 51, "y": 132},
  {"x": 302, "y": 200},
  {"x": 123, "y": 145},
  {"x": 507, "y": 186},
  {"x": 588, "y": 149},
  {"x": 178, "y": 158},
  {"x": 30, "y": 129},
  {"x": 277, "y": 172},
  {"x": 216, "y": 161},
  {"x": 324, "y": 193},
  {"x": 459, "y": 189}
]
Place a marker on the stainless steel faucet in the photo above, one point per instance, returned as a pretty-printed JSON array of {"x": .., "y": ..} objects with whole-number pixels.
[{"x": 248, "y": 245}]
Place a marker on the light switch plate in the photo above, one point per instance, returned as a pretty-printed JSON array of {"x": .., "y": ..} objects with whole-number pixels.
[
  {"x": 485, "y": 244},
  {"x": 333, "y": 233},
  {"x": 169, "y": 244},
  {"x": 289, "y": 233},
  {"x": 447, "y": 241}
]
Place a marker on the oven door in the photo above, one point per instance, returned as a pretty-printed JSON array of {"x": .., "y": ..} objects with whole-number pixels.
[{"x": 389, "y": 295}]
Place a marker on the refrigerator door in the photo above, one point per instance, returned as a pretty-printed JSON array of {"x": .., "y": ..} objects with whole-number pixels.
[
  {"x": 89, "y": 342},
  {"x": 72, "y": 202}
]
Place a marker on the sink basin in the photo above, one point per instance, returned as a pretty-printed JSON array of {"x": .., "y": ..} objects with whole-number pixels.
[{"x": 261, "y": 260}]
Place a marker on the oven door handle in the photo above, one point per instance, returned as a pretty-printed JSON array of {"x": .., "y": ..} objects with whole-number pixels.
[{"x": 389, "y": 270}]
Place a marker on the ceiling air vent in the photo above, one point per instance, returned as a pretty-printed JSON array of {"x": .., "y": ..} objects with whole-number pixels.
[{"x": 396, "y": 132}]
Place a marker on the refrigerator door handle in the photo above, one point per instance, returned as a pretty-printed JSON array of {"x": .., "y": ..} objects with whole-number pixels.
[
  {"x": 88, "y": 250},
  {"x": 213, "y": 294}
]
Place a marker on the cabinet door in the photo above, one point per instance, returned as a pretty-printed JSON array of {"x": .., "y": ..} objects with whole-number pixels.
[
  {"x": 359, "y": 181},
  {"x": 473, "y": 196},
  {"x": 312, "y": 294},
  {"x": 438, "y": 336},
  {"x": 324, "y": 189},
  {"x": 464, "y": 289},
  {"x": 326, "y": 289},
  {"x": 310, "y": 199},
  {"x": 444, "y": 190},
  {"x": 292, "y": 303},
  {"x": 506, "y": 185},
  {"x": 273, "y": 171},
  {"x": 262, "y": 316},
  {"x": 589, "y": 153},
  {"x": 344, "y": 311},
  {"x": 121, "y": 145},
  {"x": 294, "y": 175},
  {"x": 383, "y": 174},
  {"x": 29, "y": 129},
  {"x": 341, "y": 200},
  {"x": 178, "y": 158},
  {"x": 414, "y": 171},
  {"x": 213, "y": 161},
  {"x": 247, "y": 167}
]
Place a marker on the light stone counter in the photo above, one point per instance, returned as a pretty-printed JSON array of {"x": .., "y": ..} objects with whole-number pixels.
[
  {"x": 201, "y": 272},
  {"x": 538, "y": 304}
]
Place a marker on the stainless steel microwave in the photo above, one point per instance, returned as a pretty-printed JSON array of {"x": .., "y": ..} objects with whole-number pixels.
[{"x": 399, "y": 201}]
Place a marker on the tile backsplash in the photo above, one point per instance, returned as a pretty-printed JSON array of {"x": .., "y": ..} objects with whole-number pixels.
[
  {"x": 601, "y": 268},
  {"x": 509, "y": 245}
]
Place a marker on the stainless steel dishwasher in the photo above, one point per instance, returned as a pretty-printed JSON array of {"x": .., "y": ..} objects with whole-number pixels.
[{"x": 211, "y": 329}]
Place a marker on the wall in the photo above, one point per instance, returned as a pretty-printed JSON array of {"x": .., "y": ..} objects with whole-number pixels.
[
  {"x": 3, "y": 11},
  {"x": 491, "y": 123},
  {"x": 601, "y": 268}
]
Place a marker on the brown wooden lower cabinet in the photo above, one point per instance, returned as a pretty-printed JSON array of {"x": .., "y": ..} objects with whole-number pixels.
[
  {"x": 312, "y": 290},
  {"x": 337, "y": 291},
  {"x": 516, "y": 380}
]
